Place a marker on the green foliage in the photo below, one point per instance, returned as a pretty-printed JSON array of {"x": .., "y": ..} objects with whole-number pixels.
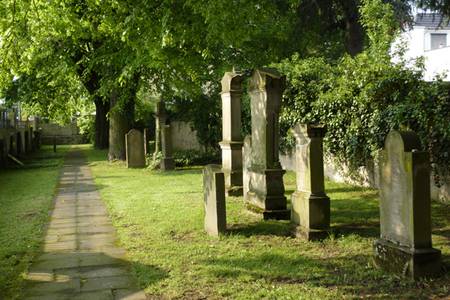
[
  {"x": 204, "y": 112},
  {"x": 360, "y": 99},
  {"x": 195, "y": 158}
]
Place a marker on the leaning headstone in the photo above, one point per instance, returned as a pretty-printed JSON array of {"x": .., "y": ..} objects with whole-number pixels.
[
  {"x": 134, "y": 142},
  {"x": 405, "y": 211},
  {"x": 167, "y": 162},
  {"x": 266, "y": 189},
  {"x": 310, "y": 205},
  {"x": 246, "y": 161},
  {"x": 231, "y": 144},
  {"x": 214, "y": 198}
]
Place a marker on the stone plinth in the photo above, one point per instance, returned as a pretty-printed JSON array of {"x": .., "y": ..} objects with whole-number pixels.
[
  {"x": 266, "y": 188},
  {"x": 214, "y": 198},
  {"x": 310, "y": 205},
  {"x": 167, "y": 162},
  {"x": 231, "y": 144},
  {"x": 134, "y": 143},
  {"x": 405, "y": 244}
]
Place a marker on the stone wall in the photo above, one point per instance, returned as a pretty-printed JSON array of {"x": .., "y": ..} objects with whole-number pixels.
[
  {"x": 366, "y": 176},
  {"x": 64, "y": 135},
  {"x": 183, "y": 137}
]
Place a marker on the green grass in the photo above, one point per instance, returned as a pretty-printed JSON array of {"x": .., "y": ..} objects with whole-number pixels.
[
  {"x": 25, "y": 200},
  {"x": 159, "y": 217}
]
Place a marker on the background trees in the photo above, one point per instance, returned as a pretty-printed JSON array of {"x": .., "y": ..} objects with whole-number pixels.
[{"x": 69, "y": 54}]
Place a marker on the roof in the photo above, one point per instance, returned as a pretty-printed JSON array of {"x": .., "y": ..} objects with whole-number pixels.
[{"x": 432, "y": 21}]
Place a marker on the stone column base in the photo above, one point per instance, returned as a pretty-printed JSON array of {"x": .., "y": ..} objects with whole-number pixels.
[
  {"x": 268, "y": 214},
  {"x": 309, "y": 234},
  {"x": 167, "y": 164},
  {"x": 233, "y": 183},
  {"x": 311, "y": 213},
  {"x": 414, "y": 263}
]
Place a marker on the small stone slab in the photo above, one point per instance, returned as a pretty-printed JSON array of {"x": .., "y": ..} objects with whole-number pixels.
[
  {"x": 214, "y": 200},
  {"x": 135, "y": 153}
]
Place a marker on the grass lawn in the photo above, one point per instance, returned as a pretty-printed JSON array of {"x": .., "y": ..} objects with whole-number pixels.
[
  {"x": 25, "y": 200},
  {"x": 159, "y": 218}
]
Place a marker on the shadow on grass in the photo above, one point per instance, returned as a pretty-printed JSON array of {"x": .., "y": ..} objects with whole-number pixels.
[
  {"x": 278, "y": 228},
  {"x": 353, "y": 276}
]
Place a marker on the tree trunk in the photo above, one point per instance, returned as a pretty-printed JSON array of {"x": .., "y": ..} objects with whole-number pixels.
[
  {"x": 120, "y": 122},
  {"x": 101, "y": 123},
  {"x": 354, "y": 32}
]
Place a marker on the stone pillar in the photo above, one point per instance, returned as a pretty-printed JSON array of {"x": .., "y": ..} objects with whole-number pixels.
[
  {"x": 310, "y": 204},
  {"x": 134, "y": 149},
  {"x": 167, "y": 162},
  {"x": 214, "y": 198},
  {"x": 266, "y": 188},
  {"x": 405, "y": 245},
  {"x": 231, "y": 132},
  {"x": 246, "y": 165},
  {"x": 160, "y": 120}
]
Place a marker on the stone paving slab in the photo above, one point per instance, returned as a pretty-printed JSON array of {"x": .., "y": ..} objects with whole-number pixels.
[{"x": 81, "y": 259}]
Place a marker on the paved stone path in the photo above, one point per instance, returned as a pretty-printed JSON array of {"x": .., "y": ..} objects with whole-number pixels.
[{"x": 80, "y": 259}]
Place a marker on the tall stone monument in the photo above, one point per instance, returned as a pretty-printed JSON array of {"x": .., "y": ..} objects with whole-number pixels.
[
  {"x": 266, "y": 188},
  {"x": 167, "y": 162},
  {"x": 134, "y": 149},
  {"x": 310, "y": 204},
  {"x": 231, "y": 132},
  {"x": 246, "y": 165},
  {"x": 405, "y": 211},
  {"x": 214, "y": 200}
]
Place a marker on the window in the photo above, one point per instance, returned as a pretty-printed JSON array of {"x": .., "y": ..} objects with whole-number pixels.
[{"x": 438, "y": 40}]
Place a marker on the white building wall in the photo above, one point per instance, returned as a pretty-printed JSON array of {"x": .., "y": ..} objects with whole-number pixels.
[{"x": 418, "y": 43}]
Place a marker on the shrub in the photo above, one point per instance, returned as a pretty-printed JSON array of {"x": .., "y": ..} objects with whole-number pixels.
[{"x": 194, "y": 157}]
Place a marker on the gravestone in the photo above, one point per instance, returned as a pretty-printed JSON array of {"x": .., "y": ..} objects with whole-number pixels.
[
  {"x": 214, "y": 200},
  {"x": 231, "y": 143},
  {"x": 246, "y": 162},
  {"x": 405, "y": 211},
  {"x": 310, "y": 204},
  {"x": 167, "y": 162},
  {"x": 266, "y": 188},
  {"x": 134, "y": 142}
]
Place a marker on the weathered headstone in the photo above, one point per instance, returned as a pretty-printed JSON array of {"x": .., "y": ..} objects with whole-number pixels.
[
  {"x": 167, "y": 162},
  {"x": 214, "y": 198},
  {"x": 405, "y": 210},
  {"x": 134, "y": 142},
  {"x": 310, "y": 204},
  {"x": 231, "y": 144},
  {"x": 266, "y": 188},
  {"x": 246, "y": 161}
]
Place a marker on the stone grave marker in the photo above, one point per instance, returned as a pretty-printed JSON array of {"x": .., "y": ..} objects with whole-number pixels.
[
  {"x": 266, "y": 188},
  {"x": 134, "y": 142},
  {"x": 214, "y": 200},
  {"x": 405, "y": 244},
  {"x": 231, "y": 143},
  {"x": 310, "y": 205},
  {"x": 167, "y": 162}
]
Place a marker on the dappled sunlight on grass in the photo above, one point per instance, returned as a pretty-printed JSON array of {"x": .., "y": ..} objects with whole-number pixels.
[{"x": 159, "y": 217}]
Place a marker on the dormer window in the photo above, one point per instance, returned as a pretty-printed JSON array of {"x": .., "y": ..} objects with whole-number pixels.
[{"x": 438, "y": 40}]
